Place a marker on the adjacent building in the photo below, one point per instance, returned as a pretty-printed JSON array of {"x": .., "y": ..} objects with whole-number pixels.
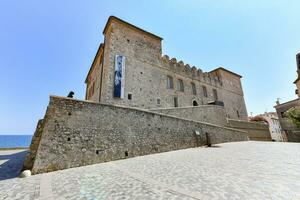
[
  {"x": 291, "y": 131},
  {"x": 274, "y": 126}
]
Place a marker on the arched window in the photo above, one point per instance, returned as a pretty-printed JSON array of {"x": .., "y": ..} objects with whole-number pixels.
[
  {"x": 195, "y": 103},
  {"x": 204, "y": 91},
  {"x": 238, "y": 114},
  {"x": 175, "y": 101}
]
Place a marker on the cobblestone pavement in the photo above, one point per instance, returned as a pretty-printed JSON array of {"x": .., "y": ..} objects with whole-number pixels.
[{"x": 241, "y": 170}]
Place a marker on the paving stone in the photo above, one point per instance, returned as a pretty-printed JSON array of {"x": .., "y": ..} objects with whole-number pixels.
[{"x": 241, "y": 170}]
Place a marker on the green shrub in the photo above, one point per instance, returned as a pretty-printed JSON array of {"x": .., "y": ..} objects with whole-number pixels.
[{"x": 293, "y": 114}]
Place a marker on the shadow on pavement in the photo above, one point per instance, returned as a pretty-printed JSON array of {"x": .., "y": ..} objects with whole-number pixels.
[
  {"x": 11, "y": 163},
  {"x": 214, "y": 146}
]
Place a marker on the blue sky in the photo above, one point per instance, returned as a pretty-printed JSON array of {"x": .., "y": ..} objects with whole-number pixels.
[{"x": 47, "y": 47}]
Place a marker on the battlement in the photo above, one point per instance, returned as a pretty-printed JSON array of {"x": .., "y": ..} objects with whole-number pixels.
[{"x": 190, "y": 72}]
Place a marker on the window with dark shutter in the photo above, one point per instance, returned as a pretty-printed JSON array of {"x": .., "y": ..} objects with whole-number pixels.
[
  {"x": 215, "y": 94},
  {"x": 170, "y": 82},
  {"x": 204, "y": 91},
  {"x": 175, "y": 101},
  {"x": 180, "y": 86}
]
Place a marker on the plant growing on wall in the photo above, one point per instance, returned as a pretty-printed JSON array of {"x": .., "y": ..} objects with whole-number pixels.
[{"x": 293, "y": 114}]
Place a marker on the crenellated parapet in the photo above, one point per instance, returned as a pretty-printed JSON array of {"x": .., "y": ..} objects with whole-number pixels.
[{"x": 186, "y": 70}]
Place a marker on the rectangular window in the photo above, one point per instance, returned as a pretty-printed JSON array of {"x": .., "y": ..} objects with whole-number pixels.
[
  {"x": 170, "y": 82},
  {"x": 204, "y": 91},
  {"x": 129, "y": 96},
  {"x": 180, "y": 86},
  {"x": 215, "y": 94},
  {"x": 194, "y": 91},
  {"x": 158, "y": 101},
  {"x": 175, "y": 101}
]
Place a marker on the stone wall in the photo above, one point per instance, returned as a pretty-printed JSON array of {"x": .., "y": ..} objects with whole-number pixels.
[
  {"x": 35, "y": 141},
  {"x": 256, "y": 131},
  {"x": 205, "y": 113},
  {"x": 77, "y": 133},
  {"x": 292, "y": 136}
]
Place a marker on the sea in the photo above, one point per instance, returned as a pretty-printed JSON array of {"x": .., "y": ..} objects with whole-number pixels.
[{"x": 12, "y": 141}]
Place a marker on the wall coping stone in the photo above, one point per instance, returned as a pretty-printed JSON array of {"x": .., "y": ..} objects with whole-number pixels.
[
  {"x": 187, "y": 107},
  {"x": 248, "y": 122}
]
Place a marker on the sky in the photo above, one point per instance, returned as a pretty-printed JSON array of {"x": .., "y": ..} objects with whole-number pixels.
[{"x": 47, "y": 47}]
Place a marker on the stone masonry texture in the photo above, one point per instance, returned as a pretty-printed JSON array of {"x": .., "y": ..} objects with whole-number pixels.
[
  {"x": 34, "y": 146},
  {"x": 205, "y": 113},
  {"x": 216, "y": 115},
  {"x": 256, "y": 131},
  {"x": 77, "y": 133}
]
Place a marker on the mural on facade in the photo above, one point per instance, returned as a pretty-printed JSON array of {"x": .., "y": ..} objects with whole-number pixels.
[{"x": 119, "y": 76}]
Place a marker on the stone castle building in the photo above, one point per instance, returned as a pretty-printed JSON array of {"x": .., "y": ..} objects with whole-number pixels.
[
  {"x": 139, "y": 102},
  {"x": 150, "y": 80}
]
